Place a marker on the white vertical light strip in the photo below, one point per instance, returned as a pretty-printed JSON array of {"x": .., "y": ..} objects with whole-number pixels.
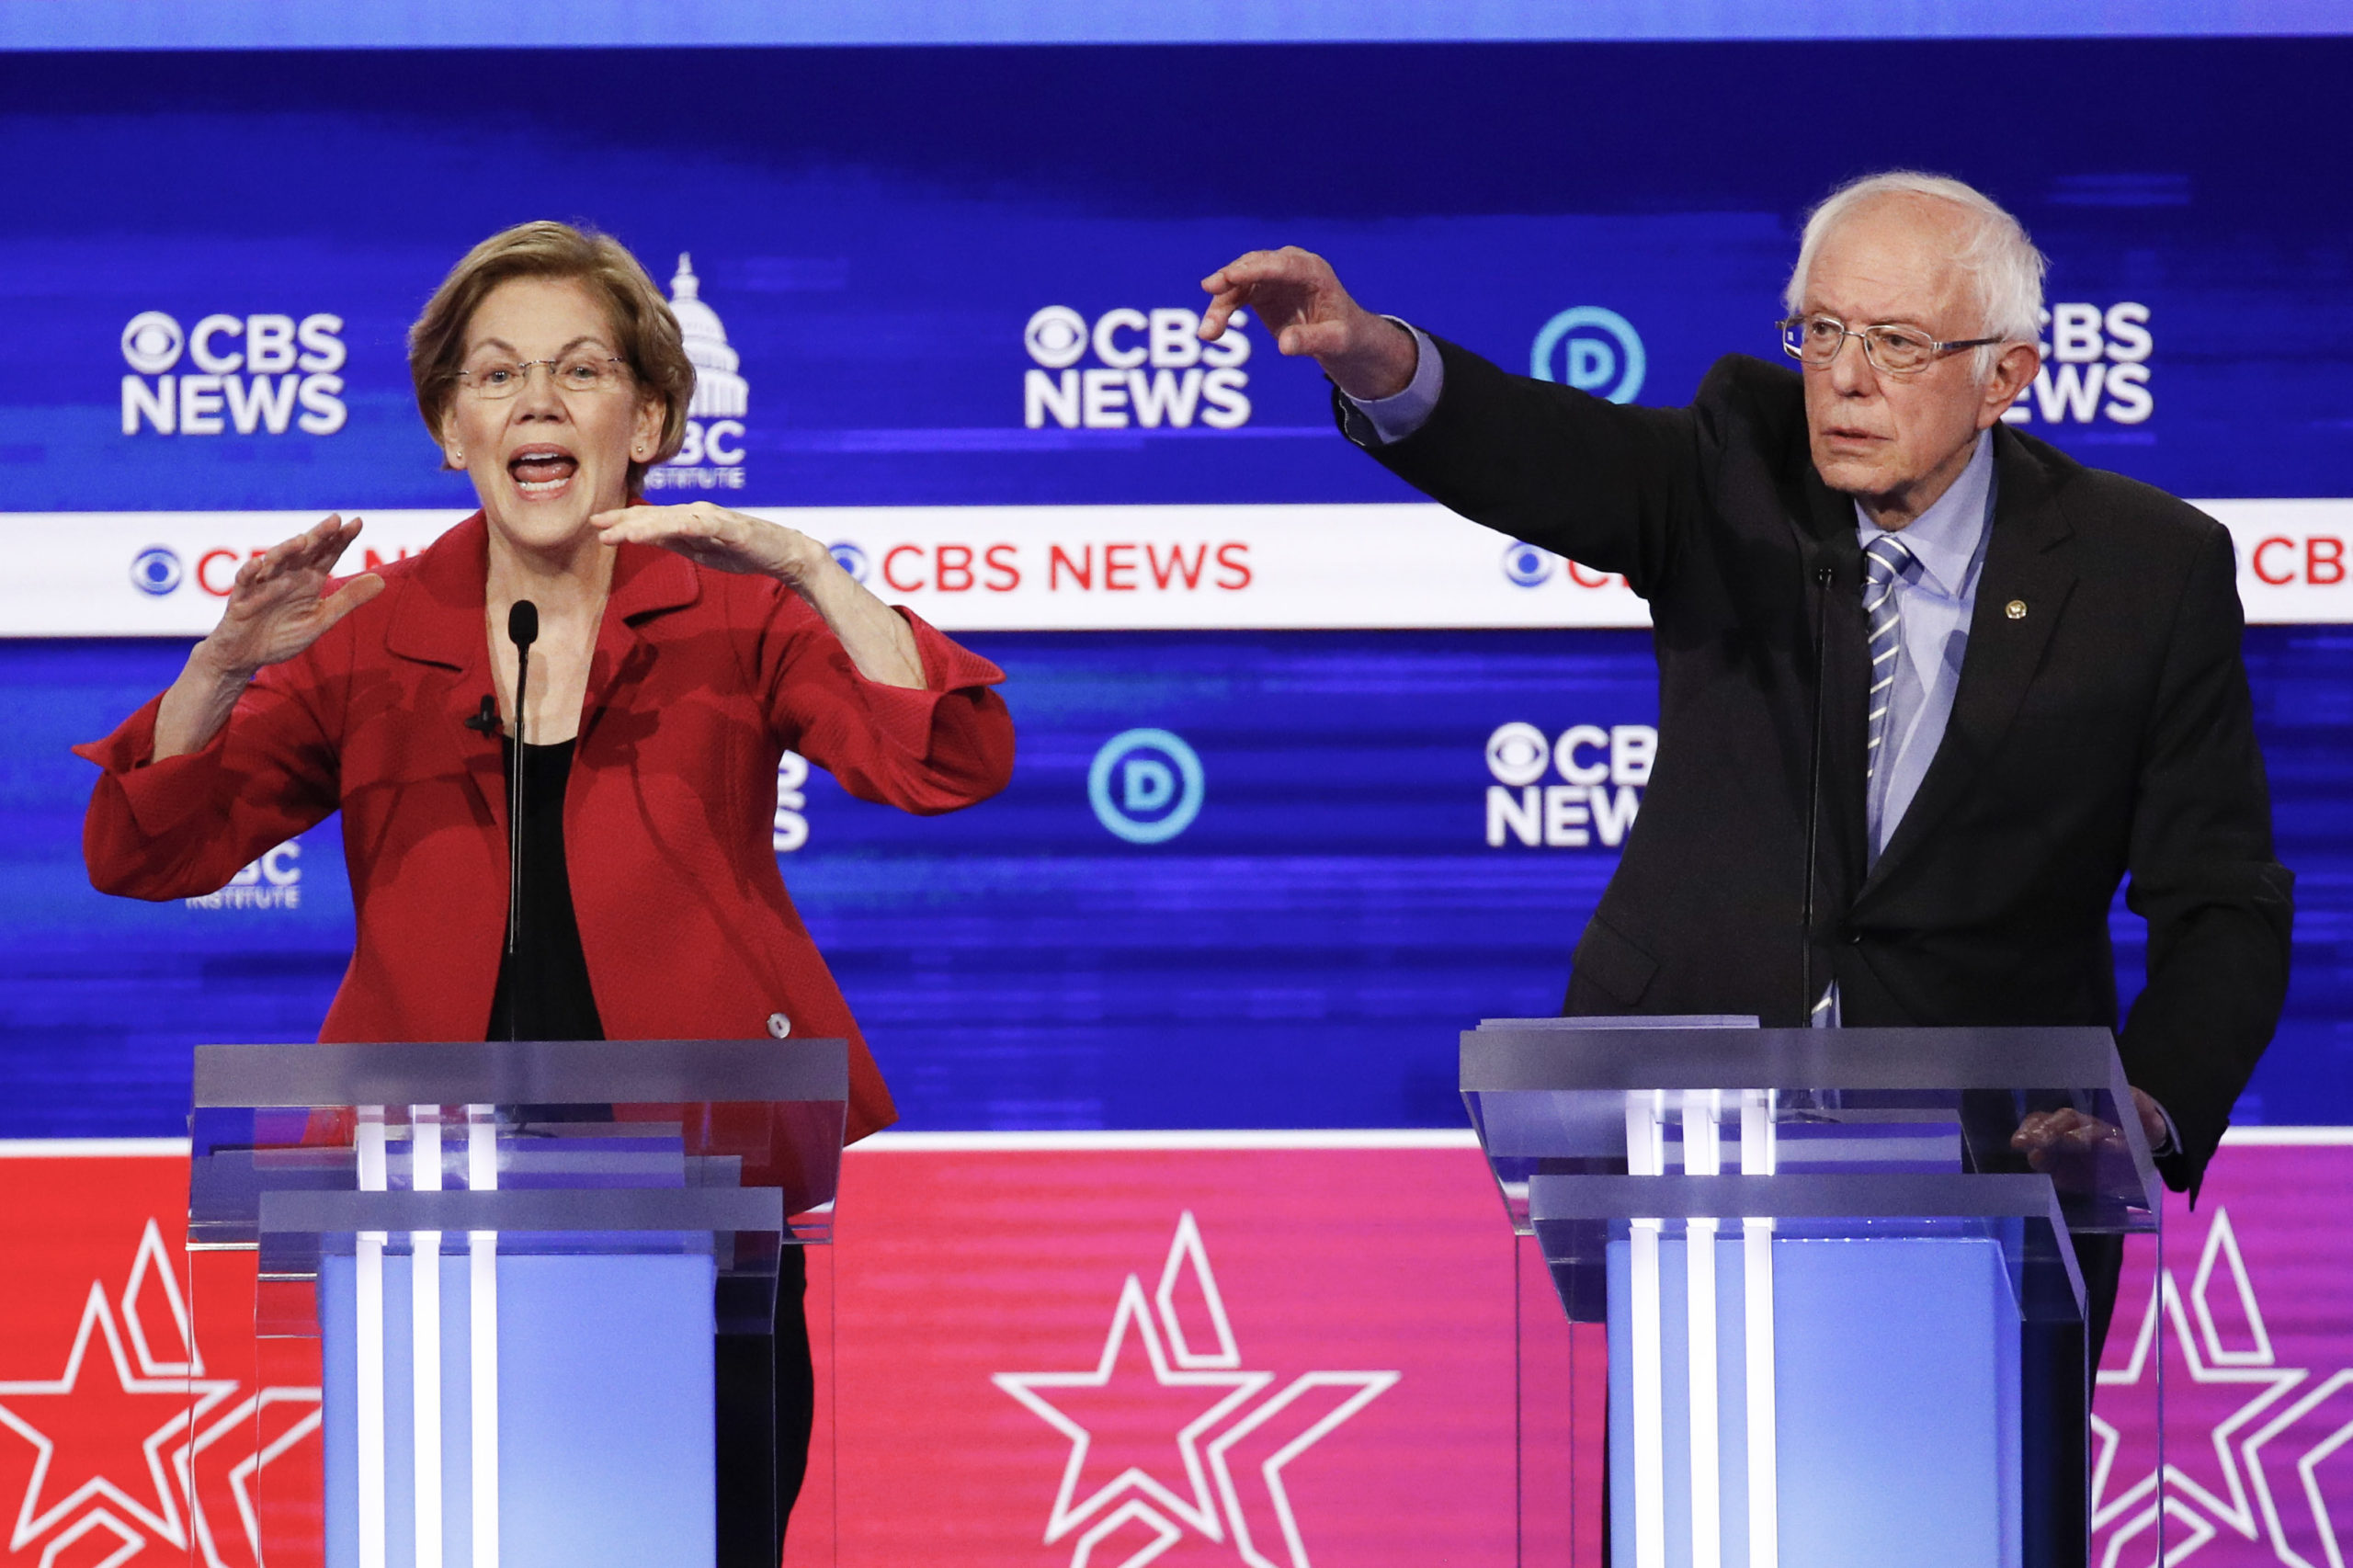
[
  {"x": 425, "y": 1336},
  {"x": 481, "y": 1176},
  {"x": 368, "y": 1336},
  {"x": 1703, "y": 1156},
  {"x": 1646, "y": 1155},
  {"x": 1757, "y": 1158}
]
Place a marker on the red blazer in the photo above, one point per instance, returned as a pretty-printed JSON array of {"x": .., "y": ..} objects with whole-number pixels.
[{"x": 699, "y": 681}]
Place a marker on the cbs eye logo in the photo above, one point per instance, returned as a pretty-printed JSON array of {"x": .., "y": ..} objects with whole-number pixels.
[
  {"x": 1145, "y": 786},
  {"x": 850, "y": 557},
  {"x": 156, "y": 571}
]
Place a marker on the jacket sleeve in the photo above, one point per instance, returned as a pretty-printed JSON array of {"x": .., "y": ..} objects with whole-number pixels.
[
  {"x": 182, "y": 827},
  {"x": 930, "y": 749},
  {"x": 2217, "y": 904},
  {"x": 1611, "y": 487}
]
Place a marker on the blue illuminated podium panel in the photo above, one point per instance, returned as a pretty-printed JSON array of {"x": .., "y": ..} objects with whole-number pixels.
[
  {"x": 1846, "y": 1320},
  {"x": 515, "y": 1257}
]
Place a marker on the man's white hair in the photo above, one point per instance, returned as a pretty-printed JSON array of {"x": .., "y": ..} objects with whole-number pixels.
[{"x": 2004, "y": 268}]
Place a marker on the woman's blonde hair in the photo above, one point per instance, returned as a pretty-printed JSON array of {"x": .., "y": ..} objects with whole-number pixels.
[{"x": 641, "y": 319}]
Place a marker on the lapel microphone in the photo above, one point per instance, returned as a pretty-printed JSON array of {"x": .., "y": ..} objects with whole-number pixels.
[
  {"x": 485, "y": 722},
  {"x": 522, "y": 630}
]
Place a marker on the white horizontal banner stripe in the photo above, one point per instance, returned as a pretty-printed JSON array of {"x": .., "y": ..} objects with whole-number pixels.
[
  {"x": 1058, "y": 568},
  {"x": 93, "y": 1147}
]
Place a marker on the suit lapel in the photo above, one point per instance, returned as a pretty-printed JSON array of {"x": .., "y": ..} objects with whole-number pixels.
[
  {"x": 647, "y": 582},
  {"x": 2027, "y": 565},
  {"x": 440, "y": 624},
  {"x": 1846, "y": 665}
]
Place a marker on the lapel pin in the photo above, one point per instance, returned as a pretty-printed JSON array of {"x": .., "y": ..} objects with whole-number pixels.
[{"x": 2015, "y": 610}]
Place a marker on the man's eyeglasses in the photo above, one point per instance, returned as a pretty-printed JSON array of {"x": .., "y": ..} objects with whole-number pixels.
[
  {"x": 1896, "y": 350},
  {"x": 573, "y": 373}
]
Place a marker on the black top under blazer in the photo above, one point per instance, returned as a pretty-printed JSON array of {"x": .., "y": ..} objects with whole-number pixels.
[{"x": 2107, "y": 730}]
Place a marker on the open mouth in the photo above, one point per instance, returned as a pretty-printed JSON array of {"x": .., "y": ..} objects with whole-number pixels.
[{"x": 542, "y": 471}]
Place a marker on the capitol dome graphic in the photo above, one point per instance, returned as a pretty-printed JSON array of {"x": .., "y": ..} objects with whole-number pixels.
[{"x": 719, "y": 392}]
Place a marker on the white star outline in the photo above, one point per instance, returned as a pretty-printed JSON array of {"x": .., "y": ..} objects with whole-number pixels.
[
  {"x": 102, "y": 1495},
  {"x": 1220, "y": 1367},
  {"x": 1201, "y": 1512},
  {"x": 2251, "y": 1511}
]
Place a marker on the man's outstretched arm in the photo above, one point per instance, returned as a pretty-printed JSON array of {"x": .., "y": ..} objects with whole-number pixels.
[{"x": 1612, "y": 487}]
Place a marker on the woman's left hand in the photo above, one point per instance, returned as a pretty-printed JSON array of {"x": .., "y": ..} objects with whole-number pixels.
[
  {"x": 722, "y": 539},
  {"x": 876, "y": 639}
]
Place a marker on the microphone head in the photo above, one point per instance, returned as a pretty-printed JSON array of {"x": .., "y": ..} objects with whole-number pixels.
[{"x": 523, "y": 623}]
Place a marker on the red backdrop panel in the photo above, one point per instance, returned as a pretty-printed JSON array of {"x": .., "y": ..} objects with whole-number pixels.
[{"x": 1103, "y": 1357}]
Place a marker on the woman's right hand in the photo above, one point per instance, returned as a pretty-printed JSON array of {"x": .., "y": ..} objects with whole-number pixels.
[{"x": 278, "y": 606}]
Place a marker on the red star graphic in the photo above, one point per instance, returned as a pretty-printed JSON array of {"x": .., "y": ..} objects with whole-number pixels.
[
  {"x": 1134, "y": 1424},
  {"x": 84, "y": 1428}
]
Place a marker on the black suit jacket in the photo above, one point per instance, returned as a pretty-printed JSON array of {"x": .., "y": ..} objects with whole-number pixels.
[{"x": 2102, "y": 726}]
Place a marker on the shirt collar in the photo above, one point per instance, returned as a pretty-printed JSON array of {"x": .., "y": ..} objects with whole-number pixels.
[{"x": 1948, "y": 537}]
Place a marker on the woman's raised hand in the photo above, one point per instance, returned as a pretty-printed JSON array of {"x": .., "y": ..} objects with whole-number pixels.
[
  {"x": 280, "y": 604},
  {"x": 877, "y": 640},
  {"x": 713, "y": 536}
]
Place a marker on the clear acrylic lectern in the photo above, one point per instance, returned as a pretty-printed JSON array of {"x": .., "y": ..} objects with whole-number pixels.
[
  {"x": 1845, "y": 1322},
  {"x": 513, "y": 1258}
]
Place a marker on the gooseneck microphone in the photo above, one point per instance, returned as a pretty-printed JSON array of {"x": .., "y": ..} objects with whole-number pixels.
[
  {"x": 1824, "y": 576},
  {"x": 522, "y": 630}
]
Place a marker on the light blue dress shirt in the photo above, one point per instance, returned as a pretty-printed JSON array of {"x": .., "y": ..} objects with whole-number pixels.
[
  {"x": 1934, "y": 597},
  {"x": 1394, "y": 418}
]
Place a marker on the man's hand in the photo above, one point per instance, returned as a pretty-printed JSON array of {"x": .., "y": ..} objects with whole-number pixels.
[
  {"x": 2049, "y": 1138},
  {"x": 1299, "y": 297}
]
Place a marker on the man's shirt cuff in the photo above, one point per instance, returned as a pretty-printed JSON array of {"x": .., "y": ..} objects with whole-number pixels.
[
  {"x": 2172, "y": 1145},
  {"x": 1394, "y": 418}
]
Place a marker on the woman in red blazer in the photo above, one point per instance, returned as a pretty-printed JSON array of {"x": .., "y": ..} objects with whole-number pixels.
[{"x": 681, "y": 651}]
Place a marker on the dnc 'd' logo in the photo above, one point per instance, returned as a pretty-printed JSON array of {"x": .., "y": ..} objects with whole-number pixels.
[
  {"x": 1592, "y": 349},
  {"x": 1148, "y": 369},
  {"x": 260, "y": 374},
  {"x": 712, "y": 458},
  {"x": 1145, "y": 785}
]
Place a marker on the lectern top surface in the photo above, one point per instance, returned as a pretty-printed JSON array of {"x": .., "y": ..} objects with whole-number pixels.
[
  {"x": 1586, "y": 1053},
  {"x": 1590, "y": 1097},
  {"x": 618, "y": 1072}
]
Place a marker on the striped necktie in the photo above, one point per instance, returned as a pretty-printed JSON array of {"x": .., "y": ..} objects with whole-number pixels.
[{"x": 1884, "y": 559}]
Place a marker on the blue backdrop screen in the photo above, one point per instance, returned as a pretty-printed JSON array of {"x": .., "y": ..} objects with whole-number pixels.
[
  {"x": 878, "y": 228},
  {"x": 1302, "y": 954},
  {"x": 207, "y": 262}
]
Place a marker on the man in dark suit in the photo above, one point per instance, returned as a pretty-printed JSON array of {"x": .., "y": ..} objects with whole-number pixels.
[{"x": 2028, "y": 670}]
